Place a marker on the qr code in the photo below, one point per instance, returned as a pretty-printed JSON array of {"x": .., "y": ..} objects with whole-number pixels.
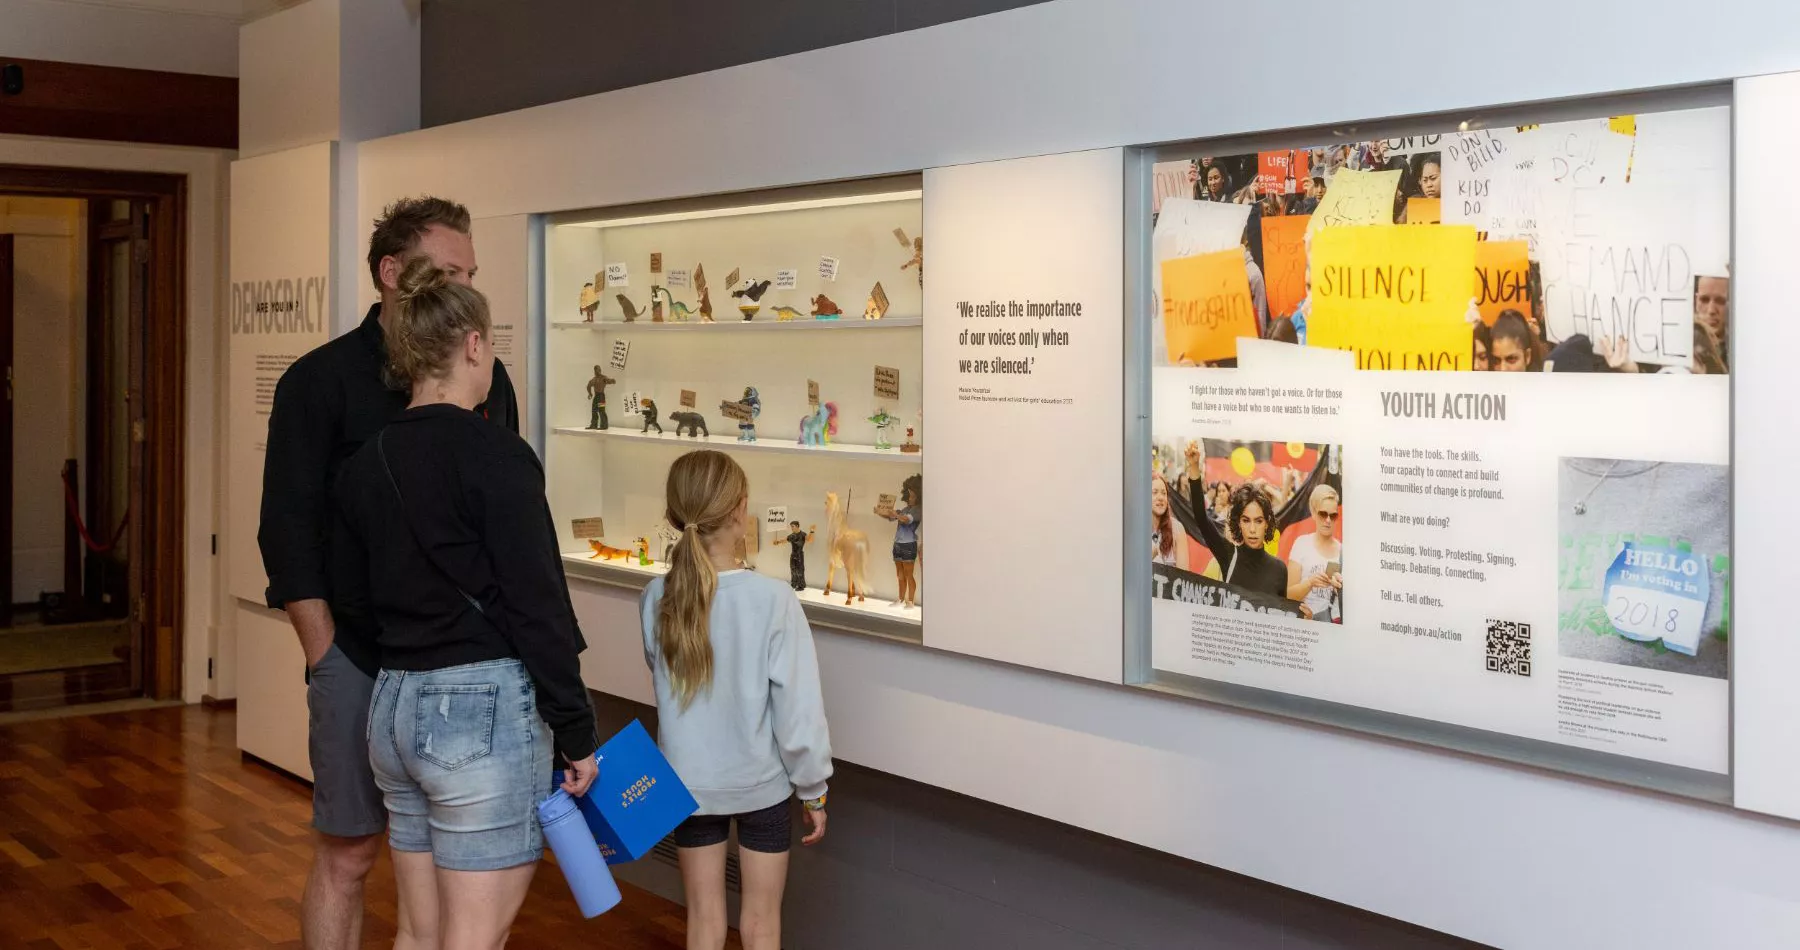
[{"x": 1509, "y": 647}]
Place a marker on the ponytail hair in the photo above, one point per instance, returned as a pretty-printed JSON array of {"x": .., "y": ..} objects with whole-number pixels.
[
  {"x": 432, "y": 319},
  {"x": 705, "y": 489}
]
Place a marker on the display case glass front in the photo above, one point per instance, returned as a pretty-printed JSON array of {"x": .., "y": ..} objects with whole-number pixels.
[
  {"x": 1440, "y": 422},
  {"x": 781, "y": 328}
]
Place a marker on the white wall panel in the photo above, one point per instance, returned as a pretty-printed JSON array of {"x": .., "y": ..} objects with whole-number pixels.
[{"x": 1507, "y": 856}]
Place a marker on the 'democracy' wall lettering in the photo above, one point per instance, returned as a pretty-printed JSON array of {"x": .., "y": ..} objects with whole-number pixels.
[{"x": 288, "y": 305}]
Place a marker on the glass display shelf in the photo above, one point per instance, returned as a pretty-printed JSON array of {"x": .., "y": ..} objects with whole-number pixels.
[
  {"x": 875, "y": 615},
  {"x": 796, "y": 325},
  {"x": 731, "y": 443}
]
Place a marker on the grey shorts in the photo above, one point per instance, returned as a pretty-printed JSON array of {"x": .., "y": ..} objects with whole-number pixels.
[
  {"x": 346, "y": 803},
  {"x": 463, "y": 759}
]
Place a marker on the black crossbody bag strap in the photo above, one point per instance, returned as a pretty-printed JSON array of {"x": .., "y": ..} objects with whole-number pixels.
[{"x": 381, "y": 450}]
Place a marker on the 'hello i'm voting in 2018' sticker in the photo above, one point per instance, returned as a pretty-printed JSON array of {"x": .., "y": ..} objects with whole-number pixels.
[{"x": 1658, "y": 593}]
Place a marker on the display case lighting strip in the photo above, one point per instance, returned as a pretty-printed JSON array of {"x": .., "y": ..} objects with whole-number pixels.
[{"x": 803, "y": 205}]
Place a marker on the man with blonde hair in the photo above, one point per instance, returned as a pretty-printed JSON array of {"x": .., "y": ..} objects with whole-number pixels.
[
  {"x": 1314, "y": 561},
  {"x": 327, "y": 405}
]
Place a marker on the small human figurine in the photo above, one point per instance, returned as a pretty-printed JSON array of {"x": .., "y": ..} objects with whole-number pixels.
[
  {"x": 643, "y": 552},
  {"x": 747, "y": 430},
  {"x": 883, "y": 422},
  {"x": 918, "y": 259},
  {"x": 797, "y": 541},
  {"x": 907, "y": 518},
  {"x": 596, "y": 389},
  {"x": 824, "y": 309},
  {"x": 647, "y": 409},
  {"x": 909, "y": 446},
  {"x": 590, "y": 302}
]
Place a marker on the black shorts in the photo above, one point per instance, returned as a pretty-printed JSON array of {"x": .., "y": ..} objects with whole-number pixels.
[{"x": 768, "y": 831}]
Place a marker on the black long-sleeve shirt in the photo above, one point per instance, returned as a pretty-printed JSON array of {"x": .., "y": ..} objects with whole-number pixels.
[
  {"x": 327, "y": 405},
  {"x": 459, "y": 509},
  {"x": 1251, "y": 568}
]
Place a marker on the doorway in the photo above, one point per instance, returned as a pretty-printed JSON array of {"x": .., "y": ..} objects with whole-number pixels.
[{"x": 90, "y": 436}]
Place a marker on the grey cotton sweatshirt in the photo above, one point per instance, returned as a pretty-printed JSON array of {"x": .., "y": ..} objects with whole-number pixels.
[{"x": 757, "y": 734}]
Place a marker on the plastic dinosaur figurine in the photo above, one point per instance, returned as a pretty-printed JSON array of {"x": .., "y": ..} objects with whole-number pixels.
[{"x": 601, "y": 550}]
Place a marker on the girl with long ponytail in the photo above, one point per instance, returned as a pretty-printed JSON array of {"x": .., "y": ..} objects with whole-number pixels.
[{"x": 740, "y": 713}]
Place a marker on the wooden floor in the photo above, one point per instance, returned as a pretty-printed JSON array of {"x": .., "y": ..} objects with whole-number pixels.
[{"x": 147, "y": 830}]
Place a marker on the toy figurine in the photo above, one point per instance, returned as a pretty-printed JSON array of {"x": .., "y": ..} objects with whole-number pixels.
[
  {"x": 908, "y": 518},
  {"x": 667, "y": 537},
  {"x": 693, "y": 422},
  {"x": 596, "y": 389},
  {"x": 883, "y": 422},
  {"x": 797, "y": 541},
  {"x": 705, "y": 310},
  {"x": 877, "y": 306},
  {"x": 590, "y": 302},
  {"x": 817, "y": 427},
  {"x": 784, "y": 313},
  {"x": 647, "y": 409},
  {"x": 918, "y": 252},
  {"x": 751, "y": 293},
  {"x": 601, "y": 550},
  {"x": 631, "y": 310},
  {"x": 824, "y": 309},
  {"x": 849, "y": 552},
  {"x": 643, "y": 552},
  {"x": 656, "y": 307},
  {"x": 747, "y": 430},
  {"x": 678, "y": 311},
  {"x": 909, "y": 446}
]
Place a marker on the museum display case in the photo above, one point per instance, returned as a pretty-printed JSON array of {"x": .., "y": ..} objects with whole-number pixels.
[
  {"x": 783, "y": 328},
  {"x": 1399, "y": 468}
]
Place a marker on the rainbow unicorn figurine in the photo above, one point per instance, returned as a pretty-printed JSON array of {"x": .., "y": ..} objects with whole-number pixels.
[{"x": 818, "y": 427}]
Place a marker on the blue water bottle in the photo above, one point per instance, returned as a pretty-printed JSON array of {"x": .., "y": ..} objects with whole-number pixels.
[{"x": 578, "y": 854}]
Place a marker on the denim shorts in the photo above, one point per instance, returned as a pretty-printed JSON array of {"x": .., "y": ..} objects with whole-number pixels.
[{"x": 462, "y": 759}]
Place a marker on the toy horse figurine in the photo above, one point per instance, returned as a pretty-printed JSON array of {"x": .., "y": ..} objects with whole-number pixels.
[
  {"x": 818, "y": 427},
  {"x": 849, "y": 551}
]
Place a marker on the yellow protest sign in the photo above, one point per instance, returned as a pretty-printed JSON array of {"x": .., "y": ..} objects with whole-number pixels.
[
  {"x": 1424, "y": 211},
  {"x": 1502, "y": 278},
  {"x": 1206, "y": 306},
  {"x": 1355, "y": 198},
  {"x": 1397, "y": 297}
]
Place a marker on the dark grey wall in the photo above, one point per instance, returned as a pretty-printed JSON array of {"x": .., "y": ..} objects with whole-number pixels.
[
  {"x": 907, "y": 866},
  {"x": 482, "y": 57}
]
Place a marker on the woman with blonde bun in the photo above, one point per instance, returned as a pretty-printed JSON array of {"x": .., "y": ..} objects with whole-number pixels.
[{"x": 446, "y": 555}]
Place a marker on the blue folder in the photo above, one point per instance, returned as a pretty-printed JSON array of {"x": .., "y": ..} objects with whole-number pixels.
[{"x": 637, "y": 800}]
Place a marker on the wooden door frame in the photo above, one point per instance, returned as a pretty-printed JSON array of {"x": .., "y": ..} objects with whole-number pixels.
[
  {"x": 8, "y": 283},
  {"x": 165, "y": 395}
]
